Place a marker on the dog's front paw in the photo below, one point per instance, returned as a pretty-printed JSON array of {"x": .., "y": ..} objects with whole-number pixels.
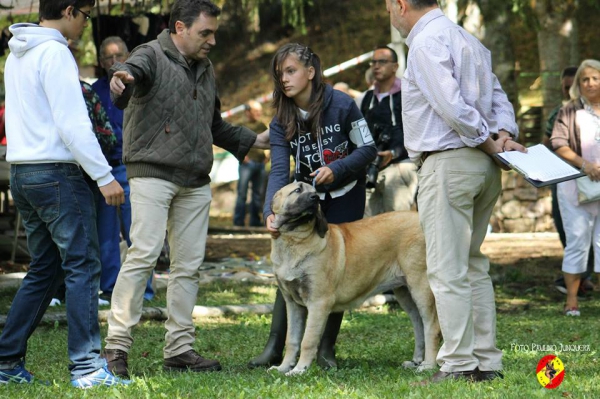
[
  {"x": 296, "y": 371},
  {"x": 410, "y": 364},
  {"x": 424, "y": 367},
  {"x": 282, "y": 369}
]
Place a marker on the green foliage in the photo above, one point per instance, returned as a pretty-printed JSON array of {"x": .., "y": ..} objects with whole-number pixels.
[
  {"x": 292, "y": 10},
  {"x": 293, "y": 13},
  {"x": 526, "y": 9},
  {"x": 87, "y": 49},
  {"x": 6, "y": 21}
]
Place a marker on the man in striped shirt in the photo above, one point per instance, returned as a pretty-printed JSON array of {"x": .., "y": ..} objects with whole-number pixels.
[{"x": 455, "y": 117}]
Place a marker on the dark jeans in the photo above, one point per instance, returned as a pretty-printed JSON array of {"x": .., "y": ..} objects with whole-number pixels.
[
  {"x": 111, "y": 222},
  {"x": 59, "y": 217},
  {"x": 251, "y": 172},
  {"x": 347, "y": 208}
]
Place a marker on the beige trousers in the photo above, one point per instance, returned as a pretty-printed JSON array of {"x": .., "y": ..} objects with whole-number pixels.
[
  {"x": 158, "y": 206},
  {"x": 457, "y": 193}
]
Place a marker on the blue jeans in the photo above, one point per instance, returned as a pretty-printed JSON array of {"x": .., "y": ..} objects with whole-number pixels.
[
  {"x": 251, "y": 172},
  {"x": 59, "y": 217},
  {"x": 111, "y": 222}
]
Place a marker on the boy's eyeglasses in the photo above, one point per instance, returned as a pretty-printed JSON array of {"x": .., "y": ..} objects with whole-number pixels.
[{"x": 85, "y": 14}]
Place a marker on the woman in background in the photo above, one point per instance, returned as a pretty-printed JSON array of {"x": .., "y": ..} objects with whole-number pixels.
[{"x": 576, "y": 138}]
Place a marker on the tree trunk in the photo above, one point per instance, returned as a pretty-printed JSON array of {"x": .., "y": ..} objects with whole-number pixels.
[
  {"x": 556, "y": 28},
  {"x": 496, "y": 37},
  {"x": 488, "y": 20}
]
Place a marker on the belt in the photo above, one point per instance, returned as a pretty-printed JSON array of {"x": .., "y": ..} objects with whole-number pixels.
[
  {"x": 427, "y": 154},
  {"x": 115, "y": 162}
]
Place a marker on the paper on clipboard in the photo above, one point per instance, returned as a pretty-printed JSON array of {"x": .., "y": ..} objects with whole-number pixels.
[{"x": 539, "y": 165}]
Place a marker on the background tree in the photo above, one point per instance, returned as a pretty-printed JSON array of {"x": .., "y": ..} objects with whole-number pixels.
[
  {"x": 248, "y": 18},
  {"x": 495, "y": 33},
  {"x": 557, "y": 41},
  {"x": 557, "y": 45}
]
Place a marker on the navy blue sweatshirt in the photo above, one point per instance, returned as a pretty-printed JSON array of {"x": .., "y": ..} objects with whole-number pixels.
[{"x": 345, "y": 145}]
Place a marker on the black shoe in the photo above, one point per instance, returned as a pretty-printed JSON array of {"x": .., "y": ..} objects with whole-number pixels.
[
  {"x": 561, "y": 287},
  {"x": 488, "y": 375},
  {"x": 116, "y": 360},
  {"x": 441, "y": 376},
  {"x": 454, "y": 375},
  {"x": 191, "y": 361}
]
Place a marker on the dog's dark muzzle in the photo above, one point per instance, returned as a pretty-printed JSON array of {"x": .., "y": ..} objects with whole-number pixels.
[{"x": 308, "y": 203}]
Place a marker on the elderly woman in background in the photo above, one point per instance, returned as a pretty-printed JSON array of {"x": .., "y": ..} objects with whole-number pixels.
[{"x": 576, "y": 139}]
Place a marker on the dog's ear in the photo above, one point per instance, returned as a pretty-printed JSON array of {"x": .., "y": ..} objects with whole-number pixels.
[
  {"x": 276, "y": 203},
  {"x": 321, "y": 224}
]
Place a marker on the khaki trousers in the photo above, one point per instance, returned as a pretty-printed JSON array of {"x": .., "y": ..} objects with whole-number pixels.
[
  {"x": 158, "y": 205},
  {"x": 457, "y": 193}
]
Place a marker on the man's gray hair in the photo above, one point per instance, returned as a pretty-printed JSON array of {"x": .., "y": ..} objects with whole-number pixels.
[
  {"x": 420, "y": 4},
  {"x": 575, "y": 91},
  {"x": 113, "y": 40}
]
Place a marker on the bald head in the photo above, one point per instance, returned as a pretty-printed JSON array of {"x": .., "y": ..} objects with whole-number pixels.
[{"x": 253, "y": 110}]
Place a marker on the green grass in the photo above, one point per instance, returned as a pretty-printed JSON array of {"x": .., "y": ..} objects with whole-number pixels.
[{"x": 371, "y": 347}]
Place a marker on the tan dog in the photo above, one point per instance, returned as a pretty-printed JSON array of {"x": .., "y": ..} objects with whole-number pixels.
[{"x": 323, "y": 268}]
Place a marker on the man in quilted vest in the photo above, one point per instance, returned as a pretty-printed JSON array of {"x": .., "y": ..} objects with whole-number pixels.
[{"x": 172, "y": 119}]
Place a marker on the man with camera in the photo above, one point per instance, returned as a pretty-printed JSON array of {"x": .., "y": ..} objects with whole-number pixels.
[{"x": 392, "y": 177}]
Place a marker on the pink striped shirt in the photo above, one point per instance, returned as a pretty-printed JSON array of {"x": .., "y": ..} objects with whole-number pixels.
[{"x": 450, "y": 97}]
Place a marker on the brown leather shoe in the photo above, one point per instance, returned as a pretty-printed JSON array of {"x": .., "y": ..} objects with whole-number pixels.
[
  {"x": 441, "y": 376},
  {"x": 191, "y": 361},
  {"x": 488, "y": 375},
  {"x": 117, "y": 362}
]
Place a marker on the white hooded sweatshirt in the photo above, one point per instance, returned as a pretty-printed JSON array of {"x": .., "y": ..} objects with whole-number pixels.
[{"x": 46, "y": 116}]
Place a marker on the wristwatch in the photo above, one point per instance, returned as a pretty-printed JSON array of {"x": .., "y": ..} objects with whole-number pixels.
[{"x": 393, "y": 153}]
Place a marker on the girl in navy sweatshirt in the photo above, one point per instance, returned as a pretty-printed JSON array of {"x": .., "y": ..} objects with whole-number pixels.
[{"x": 330, "y": 141}]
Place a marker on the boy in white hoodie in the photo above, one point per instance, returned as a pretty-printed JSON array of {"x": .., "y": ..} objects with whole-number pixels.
[{"x": 49, "y": 138}]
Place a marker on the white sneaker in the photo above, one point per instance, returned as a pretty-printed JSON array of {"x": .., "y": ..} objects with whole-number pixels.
[
  {"x": 55, "y": 302},
  {"x": 574, "y": 312},
  {"x": 103, "y": 302}
]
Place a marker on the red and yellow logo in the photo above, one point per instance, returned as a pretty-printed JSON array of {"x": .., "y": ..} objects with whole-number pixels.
[{"x": 550, "y": 371}]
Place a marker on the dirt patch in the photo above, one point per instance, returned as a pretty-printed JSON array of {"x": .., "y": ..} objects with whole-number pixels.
[
  {"x": 222, "y": 246},
  {"x": 526, "y": 251},
  {"x": 501, "y": 248}
]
